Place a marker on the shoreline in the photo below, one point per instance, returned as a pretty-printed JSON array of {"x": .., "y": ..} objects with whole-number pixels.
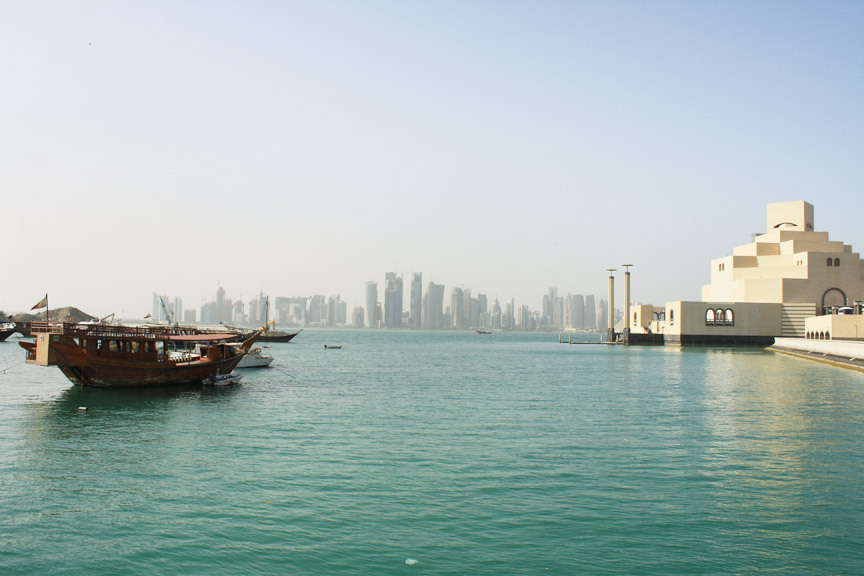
[{"x": 840, "y": 353}]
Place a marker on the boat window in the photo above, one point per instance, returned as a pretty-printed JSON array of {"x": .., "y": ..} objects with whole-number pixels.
[
  {"x": 113, "y": 346},
  {"x": 133, "y": 346}
]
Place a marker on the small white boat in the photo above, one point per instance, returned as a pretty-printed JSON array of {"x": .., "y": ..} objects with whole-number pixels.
[
  {"x": 255, "y": 358},
  {"x": 222, "y": 379}
]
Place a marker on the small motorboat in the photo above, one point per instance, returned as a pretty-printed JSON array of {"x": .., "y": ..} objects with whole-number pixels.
[
  {"x": 255, "y": 358},
  {"x": 332, "y": 346},
  {"x": 222, "y": 379}
]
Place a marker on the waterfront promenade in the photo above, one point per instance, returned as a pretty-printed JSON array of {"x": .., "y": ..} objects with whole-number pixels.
[{"x": 845, "y": 353}]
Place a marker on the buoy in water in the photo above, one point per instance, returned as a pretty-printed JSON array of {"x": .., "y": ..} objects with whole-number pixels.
[{"x": 410, "y": 561}]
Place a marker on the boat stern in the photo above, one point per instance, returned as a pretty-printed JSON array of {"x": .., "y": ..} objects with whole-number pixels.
[{"x": 52, "y": 350}]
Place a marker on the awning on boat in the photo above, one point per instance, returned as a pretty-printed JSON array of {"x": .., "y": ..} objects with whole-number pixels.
[{"x": 201, "y": 337}]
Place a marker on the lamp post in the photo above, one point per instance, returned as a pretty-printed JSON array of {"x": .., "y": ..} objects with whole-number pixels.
[
  {"x": 611, "y": 311},
  {"x": 626, "y": 303}
]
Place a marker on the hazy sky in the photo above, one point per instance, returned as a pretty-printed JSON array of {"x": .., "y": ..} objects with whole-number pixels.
[{"x": 307, "y": 147}]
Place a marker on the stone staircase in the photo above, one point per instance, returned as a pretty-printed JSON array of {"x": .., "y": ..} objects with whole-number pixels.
[{"x": 792, "y": 319}]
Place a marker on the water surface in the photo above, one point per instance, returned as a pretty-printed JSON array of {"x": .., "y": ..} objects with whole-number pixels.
[{"x": 467, "y": 453}]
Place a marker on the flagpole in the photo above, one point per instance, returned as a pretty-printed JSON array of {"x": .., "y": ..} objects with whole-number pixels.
[{"x": 46, "y": 308}]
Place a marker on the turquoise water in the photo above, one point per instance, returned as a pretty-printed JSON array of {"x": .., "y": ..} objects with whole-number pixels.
[{"x": 460, "y": 453}]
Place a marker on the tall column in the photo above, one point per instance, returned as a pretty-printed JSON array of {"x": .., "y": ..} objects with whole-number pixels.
[
  {"x": 626, "y": 332},
  {"x": 610, "y": 312}
]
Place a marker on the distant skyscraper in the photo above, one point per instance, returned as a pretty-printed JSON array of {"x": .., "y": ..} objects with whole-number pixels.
[
  {"x": 480, "y": 312},
  {"x": 416, "y": 300},
  {"x": 460, "y": 308},
  {"x": 525, "y": 318},
  {"x": 342, "y": 313},
  {"x": 221, "y": 316},
  {"x": 333, "y": 309},
  {"x": 590, "y": 313},
  {"x": 433, "y": 307},
  {"x": 357, "y": 317},
  {"x": 551, "y": 307},
  {"x": 371, "y": 304},
  {"x": 508, "y": 321},
  {"x": 161, "y": 308},
  {"x": 317, "y": 310},
  {"x": 496, "y": 315},
  {"x": 603, "y": 314},
  {"x": 177, "y": 309},
  {"x": 253, "y": 312},
  {"x": 577, "y": 312},
  {"x": 393, "y": 300}
]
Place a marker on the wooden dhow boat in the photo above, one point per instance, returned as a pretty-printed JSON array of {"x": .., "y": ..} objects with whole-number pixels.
[
  {"x": 268, "y": 330},
  {"x": 117, "y": 356}
]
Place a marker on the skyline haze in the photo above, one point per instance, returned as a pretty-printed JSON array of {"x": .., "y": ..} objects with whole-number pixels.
[{"x": 307, "y": 148}]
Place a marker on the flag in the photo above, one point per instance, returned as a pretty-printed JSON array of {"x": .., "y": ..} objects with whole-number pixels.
[
  {"x": 148, "y": 316},
  {"x": 42, "y": 303}
]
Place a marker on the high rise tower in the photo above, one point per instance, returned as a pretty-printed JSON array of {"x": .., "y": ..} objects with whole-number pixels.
[
  {"x": 372, "y": 304},
  {"x": 416, "y": 300},
  {"x": 590, "y": 313},
  {"x": 393, "y": 300},
  {"x": 577, "y": 312}
]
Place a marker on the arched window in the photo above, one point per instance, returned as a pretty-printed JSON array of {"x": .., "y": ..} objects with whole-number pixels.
[
  {"x": 836, "y": 261},
  {"x": 671, "y": 316},
  {"x": 729, "y": 317},
  {"x": 830, "y": 262},
  {"x": 634, "y": 318},
  {"x": 827, "y": 335},
  {"x": 709, "y": 317}
]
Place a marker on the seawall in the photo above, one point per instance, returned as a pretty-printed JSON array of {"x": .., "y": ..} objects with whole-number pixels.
[{"x": 836, "y": 352}]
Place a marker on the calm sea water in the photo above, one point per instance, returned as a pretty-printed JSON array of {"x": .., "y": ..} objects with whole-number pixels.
[{"x": 441, "y": 453}]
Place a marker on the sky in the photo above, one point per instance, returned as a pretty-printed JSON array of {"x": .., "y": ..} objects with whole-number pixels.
[{"x": 305, "y": 148}]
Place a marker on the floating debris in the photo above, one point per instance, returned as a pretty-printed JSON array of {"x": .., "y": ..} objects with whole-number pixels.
[{"x": 410, "y": 561}]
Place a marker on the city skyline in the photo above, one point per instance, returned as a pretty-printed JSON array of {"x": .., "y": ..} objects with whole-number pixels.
[
  {"x": 427, "y": 309},
  {"x": 295, "y": 147}
]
